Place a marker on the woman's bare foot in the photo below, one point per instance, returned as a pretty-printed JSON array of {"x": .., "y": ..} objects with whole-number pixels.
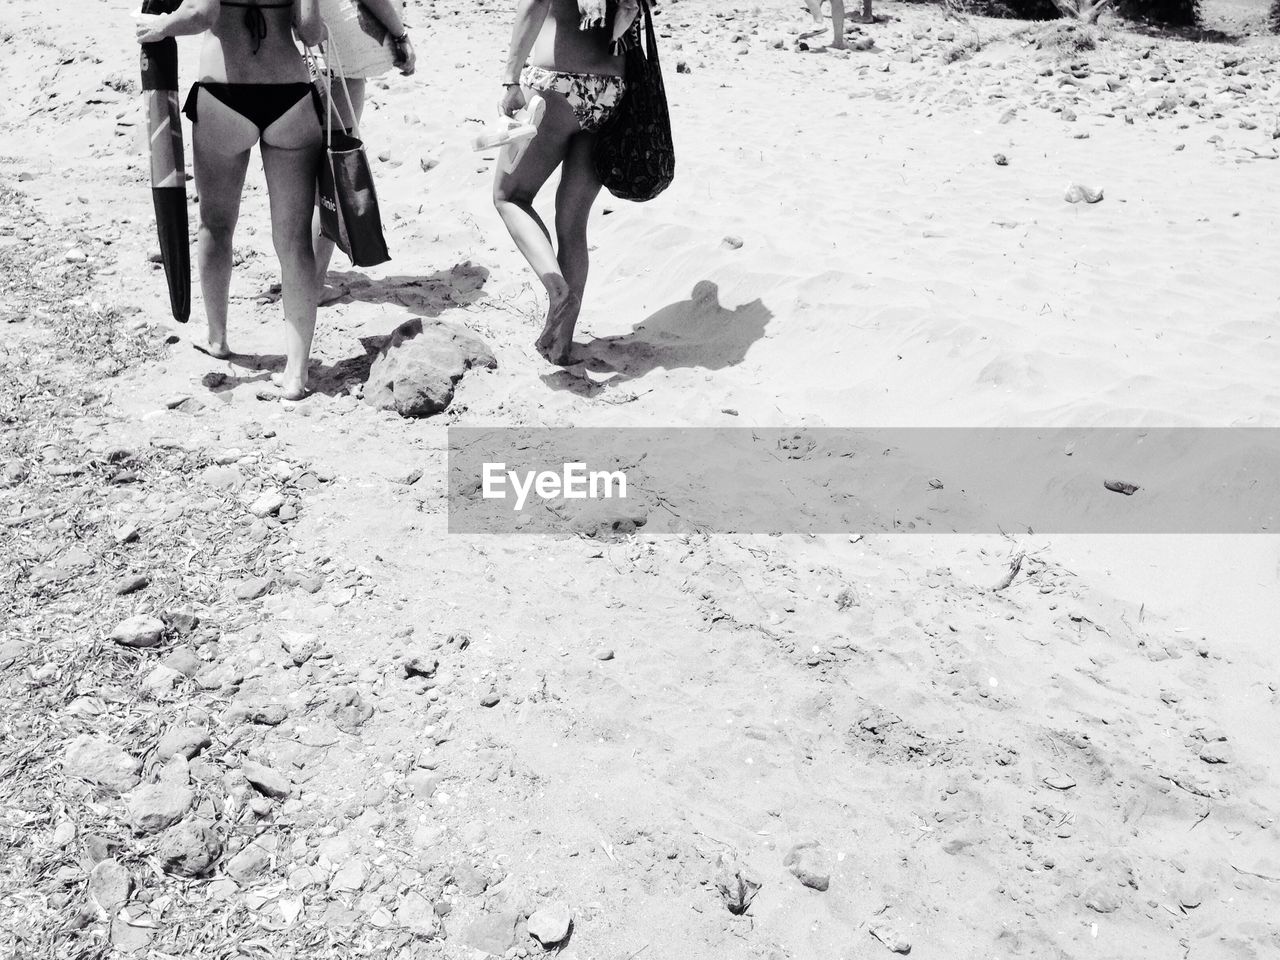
[
  {"x": 557, "y": 292},
  {"x": 217, "y": 349},
  {"x": 562, "y": 319},
  {"x": 290, "y": 387}
]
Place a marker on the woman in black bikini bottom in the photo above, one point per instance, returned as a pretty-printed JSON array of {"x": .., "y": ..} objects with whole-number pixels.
[{"x": 253, "y": 89}]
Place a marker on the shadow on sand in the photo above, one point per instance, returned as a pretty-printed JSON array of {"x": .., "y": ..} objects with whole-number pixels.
[
  {"x": 424, "y": 296},
  {"x": 696, "y": 333}
]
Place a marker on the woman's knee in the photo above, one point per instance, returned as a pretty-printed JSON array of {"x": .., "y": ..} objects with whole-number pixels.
[
  {"x": 504, "y": 194},
  {"x": 217, "y": 229},
  {"x": 293, "y": 244}
]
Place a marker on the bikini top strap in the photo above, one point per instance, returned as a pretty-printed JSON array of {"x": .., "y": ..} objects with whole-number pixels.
[{"x": 254, "y": 21}]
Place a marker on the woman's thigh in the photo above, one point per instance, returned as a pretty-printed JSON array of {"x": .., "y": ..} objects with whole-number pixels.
[
  {"x": 221, "y": 158},
  {"x": 291, "y": 189},
  {"x": 544, "y": 153}
]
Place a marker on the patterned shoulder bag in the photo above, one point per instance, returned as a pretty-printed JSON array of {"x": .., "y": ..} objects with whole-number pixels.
[{"x": 635, "y": 155}]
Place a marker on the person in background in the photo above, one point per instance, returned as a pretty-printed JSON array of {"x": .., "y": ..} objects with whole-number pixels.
[
  {"x": 837, "y": 20},
  {"x": 366, "y": 39},
  {"x": 253, "y": 89},
  {"x": 567, "y": 52}
]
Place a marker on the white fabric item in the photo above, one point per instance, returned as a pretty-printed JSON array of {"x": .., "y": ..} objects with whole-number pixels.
[
  {"x": 593, "y": 13},
  {"x": 357, "y": 53}
]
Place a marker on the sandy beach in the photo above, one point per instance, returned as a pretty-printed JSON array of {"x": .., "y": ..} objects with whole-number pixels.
[{"x": 339, "y": 730}]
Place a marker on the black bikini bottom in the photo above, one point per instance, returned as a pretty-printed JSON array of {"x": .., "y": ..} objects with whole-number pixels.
[{"x": 262, "y": 104}]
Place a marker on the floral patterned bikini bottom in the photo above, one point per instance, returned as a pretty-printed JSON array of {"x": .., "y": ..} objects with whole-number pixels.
[{"x": 592, "y": 96}]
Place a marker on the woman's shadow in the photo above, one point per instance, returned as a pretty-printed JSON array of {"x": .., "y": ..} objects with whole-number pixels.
[
  {"x": 698, "y": 332},
  {"x": 426, "y": 296}
]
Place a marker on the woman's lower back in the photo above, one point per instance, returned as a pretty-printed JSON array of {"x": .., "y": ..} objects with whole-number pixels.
[
  {"x": 234, "y": 52},
  {"x": 561, "y": 46}
]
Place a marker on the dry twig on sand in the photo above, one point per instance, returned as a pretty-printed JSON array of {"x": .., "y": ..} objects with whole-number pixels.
[{"x": 1014, "y": 566}]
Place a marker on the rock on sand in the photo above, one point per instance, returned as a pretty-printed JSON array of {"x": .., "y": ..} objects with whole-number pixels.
[
  {"x": 100, "y": 761},
  {"x": 420, "y": 365}
]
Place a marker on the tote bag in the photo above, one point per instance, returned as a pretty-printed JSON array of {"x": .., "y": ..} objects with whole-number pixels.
[
  {"x": 635, "y": 155},
  {"x": 349, "y": 214}
]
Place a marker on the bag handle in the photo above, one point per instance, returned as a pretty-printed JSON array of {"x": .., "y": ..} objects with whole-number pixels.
[
  {"x": 651, "y": 37},
  {"x": 332, "y": 57},
  {"x": 314, "y": 66}
]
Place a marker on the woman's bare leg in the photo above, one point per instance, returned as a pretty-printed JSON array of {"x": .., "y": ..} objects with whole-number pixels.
[
  {"x": 513, "y": 195},
  {"x": 221, "y": 139},
  {"x": 291, "y": 149},
  {"x": 579, "y": 187},
  {"x": 343, "y": 119},
  {"x": 837, "y": 23}
]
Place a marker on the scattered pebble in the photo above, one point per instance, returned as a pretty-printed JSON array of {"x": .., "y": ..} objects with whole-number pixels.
[
  {"x": 350, "y": 877},
  {"x": 266, "y": 780},
  {"x": 493, "y": 933},
  {"x": 809, "y": 864},
  {"x": 550, "y": 925},
  {"x": 1121, "y": 486},
  {"x": 190, "y": 849},
  {"x": 110, "y": 885},
  {"x": 139, "y": 631},
  {"x": 100, "y": 761},
  {"x": 1215, "y": 753},
  {"x": 154, "y": 806},
  {"x": 253, "y": 588},
  {"x": 253, "y": 859},
  {"x": 888, "y": 934},
  {"x": 421, "y": 667},
  {"x": 182, "y": 741},
  {"x": 131, "y": 583},
  {"x": 1078, "y": 192},
  {"x": 267, "y": 504},
  {"x": 417, "y": 915}
]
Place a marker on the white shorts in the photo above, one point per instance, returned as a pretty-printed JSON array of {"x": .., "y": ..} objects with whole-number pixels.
[{"x": 358, "y": 46}]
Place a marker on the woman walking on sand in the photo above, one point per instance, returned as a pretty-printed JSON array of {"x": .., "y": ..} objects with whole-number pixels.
[
  {"x": 366, "y": 39},
  {"x": 565, "y": 51},
  {"x": 253, "y": 88}
]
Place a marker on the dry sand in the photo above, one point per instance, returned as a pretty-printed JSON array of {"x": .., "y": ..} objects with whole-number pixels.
[{"x": 1026, "y": 773}]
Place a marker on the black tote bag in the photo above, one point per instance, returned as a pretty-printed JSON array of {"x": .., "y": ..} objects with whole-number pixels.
[
  {"x": 635, "y": 155},
  {"x": 349, "y": 214}
]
